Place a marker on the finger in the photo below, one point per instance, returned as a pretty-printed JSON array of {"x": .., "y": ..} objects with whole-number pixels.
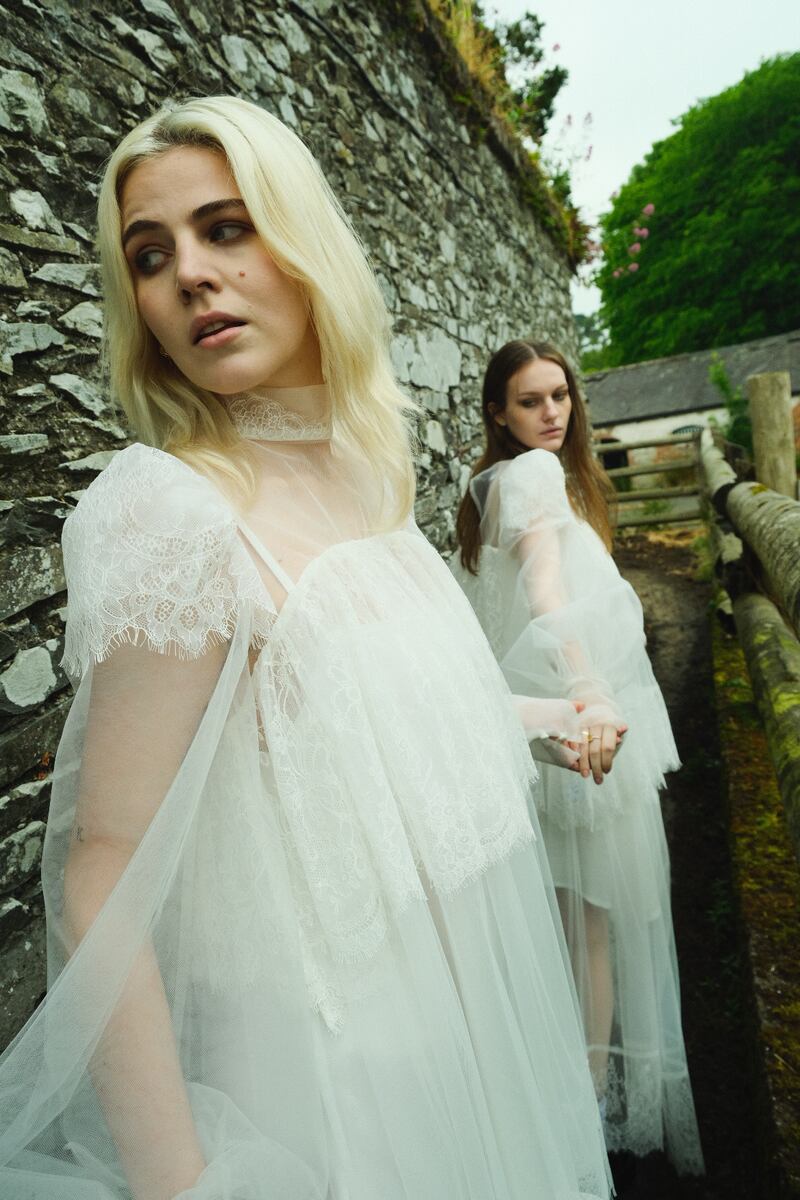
[
  {"x": 578, "y": 705},
  {"x": 584, "y": 752},
  {"x": 608, "y": 746},
  {"x": 596, "y": 752}
]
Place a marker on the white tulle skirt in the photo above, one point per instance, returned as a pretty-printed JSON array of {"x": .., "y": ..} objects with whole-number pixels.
[
  {"x": 456, "y": 1075},
  {"x": 353, "y": 922},
  {"x": 605, "y": 843},
  {"x": 613, "y": 887}
]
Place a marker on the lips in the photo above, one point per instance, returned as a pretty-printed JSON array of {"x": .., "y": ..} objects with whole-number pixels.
[{"x": 210, "y": 323}]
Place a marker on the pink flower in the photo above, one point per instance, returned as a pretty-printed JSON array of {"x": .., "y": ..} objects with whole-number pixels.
[
  {"x": 648, "y": 210},
  {"x": 556, "y": 46},
  {"x": 633, "y": 266},
  {"x": 643, "y": 233},
  {"x": 635, "y": 248},
  {"x": 618, "y": 272}
]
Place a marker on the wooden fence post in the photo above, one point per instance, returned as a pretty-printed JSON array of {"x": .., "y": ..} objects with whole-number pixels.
[{"x": 770, "y": 400}]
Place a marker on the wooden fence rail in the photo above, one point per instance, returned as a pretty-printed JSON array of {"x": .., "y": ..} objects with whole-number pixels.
[
  {"x": 673, "y": 439},
  {"x": 656, "y": 493},
  {"x": 767, "y": 521},
  {"x": 755, "y": 542},
  {"x": 756, "y": 533},
  {"x": 629, "y": 499},
  {"x": 659, "y": 468}
]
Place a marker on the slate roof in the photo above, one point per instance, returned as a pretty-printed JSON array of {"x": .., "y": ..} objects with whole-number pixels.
[{"x": 665, "y": 387}]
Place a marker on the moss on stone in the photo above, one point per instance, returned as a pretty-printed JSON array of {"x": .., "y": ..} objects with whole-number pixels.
[{"x": 768, "y": 886}]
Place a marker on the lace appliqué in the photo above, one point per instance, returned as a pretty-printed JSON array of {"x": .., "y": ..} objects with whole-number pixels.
[
  {"x": 264, "y": 419},
  {"x": 379, "y": 799},
  {"x": 152, "y": 556}
]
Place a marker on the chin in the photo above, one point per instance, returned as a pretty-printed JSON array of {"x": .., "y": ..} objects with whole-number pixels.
[{"x": 228, "y": 378}]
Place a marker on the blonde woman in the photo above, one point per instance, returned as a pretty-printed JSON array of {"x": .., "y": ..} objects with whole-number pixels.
[
  {"x": 534, "y": 560},
  {"x": 302, "y": 940}
]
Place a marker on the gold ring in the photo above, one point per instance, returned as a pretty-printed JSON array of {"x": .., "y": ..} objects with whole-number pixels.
[
  {"x": 594, "y": 738},
  {"x": 585, "y": 734}
]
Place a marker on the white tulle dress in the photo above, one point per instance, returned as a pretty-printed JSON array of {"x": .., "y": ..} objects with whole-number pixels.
[
  {"x": 330, "y": 935},
  {"x": 562, "y": 622}
]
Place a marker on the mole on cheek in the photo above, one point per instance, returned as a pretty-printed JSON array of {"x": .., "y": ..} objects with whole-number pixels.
[{"x": 241, "y": 274}]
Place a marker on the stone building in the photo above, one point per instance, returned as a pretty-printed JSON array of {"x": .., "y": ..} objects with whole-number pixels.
[
  {"x": 444, "y": 202},
  {"x": 665, "y": 395}
]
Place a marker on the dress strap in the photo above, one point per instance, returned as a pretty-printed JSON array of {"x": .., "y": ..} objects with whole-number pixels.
[{"x": 271, "y": 561}]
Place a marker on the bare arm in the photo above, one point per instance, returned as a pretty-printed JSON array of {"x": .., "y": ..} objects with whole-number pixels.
[{"x": 144, "y": 711}]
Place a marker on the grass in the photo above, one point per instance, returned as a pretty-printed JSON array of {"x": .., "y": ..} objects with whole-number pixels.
[
  {"x": 483, "y": 57},
  {"x": 475, "y": 44}
]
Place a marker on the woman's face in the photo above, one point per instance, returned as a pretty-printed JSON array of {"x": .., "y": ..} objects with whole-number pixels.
[
  {"x": 206, "y": 287},
  {"x": 538, "y": 405}
]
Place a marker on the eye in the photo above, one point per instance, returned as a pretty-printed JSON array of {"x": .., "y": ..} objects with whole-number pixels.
[
  {"x": 149, "y": 260},
  {"x": 227, "y": 231},
  {"x": 562, "y": 395}
]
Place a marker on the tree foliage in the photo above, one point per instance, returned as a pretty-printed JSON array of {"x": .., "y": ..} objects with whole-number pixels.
[
  {"x": 531, "y": 101},
  {"x": 507, "y": 58},
  {"x": 718, "y": 205}
]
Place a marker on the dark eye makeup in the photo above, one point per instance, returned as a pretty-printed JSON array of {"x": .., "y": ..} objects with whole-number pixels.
[
  {"x": 148, "y": 260},
  {"x": 531, "y": 401}
]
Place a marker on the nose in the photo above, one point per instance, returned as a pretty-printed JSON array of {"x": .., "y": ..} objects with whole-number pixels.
[
  {"x": 194, "y": 272},
  {"x": 550, "y": 410}
]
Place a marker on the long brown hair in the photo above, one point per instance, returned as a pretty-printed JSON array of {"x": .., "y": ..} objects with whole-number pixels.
[{"x": 588, "y": 486}]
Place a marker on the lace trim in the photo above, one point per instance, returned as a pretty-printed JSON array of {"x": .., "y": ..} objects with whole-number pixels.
[
  {"x": 152, "y": 557},
  {"x": 650, "y": 1107},
  {"x": 285, "y": 415}
]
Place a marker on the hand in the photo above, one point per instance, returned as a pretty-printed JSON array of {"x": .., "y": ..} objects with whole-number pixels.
[
  {"x": 600, "y": 744},
  {"x": 570, "y": 751}
]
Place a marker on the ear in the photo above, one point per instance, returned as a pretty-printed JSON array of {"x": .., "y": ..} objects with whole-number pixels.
[{"x": 497, "y": 413}]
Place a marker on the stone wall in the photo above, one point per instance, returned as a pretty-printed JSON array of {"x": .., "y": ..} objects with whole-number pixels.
[{"x": 443, "y": 202}]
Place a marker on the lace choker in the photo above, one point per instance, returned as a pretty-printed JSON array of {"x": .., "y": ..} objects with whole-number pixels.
[{"x": 299, "y": 414}]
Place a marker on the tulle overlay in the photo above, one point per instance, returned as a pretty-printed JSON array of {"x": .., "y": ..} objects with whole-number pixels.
[
  {"x": 328, "y": 932},
  {"x": 562, "y": 622}
]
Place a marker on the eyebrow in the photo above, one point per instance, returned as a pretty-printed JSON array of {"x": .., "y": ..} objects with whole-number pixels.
[
  {"x": 538, "y": 395},
  {"x": 197, "y": 214}
]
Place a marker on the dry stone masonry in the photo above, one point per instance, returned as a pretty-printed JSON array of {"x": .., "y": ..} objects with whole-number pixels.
[{"x": 437, "y": 197}]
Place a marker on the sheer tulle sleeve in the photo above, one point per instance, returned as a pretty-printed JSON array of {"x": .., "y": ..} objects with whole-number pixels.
[
  {"x": 563, "y": 623},
  {"x": 156, "y": 793},
  {"x": 527, "y": 513}
]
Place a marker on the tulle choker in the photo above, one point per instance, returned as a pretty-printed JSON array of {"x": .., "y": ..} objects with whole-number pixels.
[{"x": 298, "y": 414}]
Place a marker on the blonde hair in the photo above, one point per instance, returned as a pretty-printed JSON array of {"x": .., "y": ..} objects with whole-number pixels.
[{"x": 306, "y": 232}]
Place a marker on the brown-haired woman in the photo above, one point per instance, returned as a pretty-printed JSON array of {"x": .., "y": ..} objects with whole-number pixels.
[{"x": 534, "y": 560}]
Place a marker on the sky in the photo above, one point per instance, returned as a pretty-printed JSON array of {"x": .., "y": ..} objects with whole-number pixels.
[{"x": 636, "y": 66}]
